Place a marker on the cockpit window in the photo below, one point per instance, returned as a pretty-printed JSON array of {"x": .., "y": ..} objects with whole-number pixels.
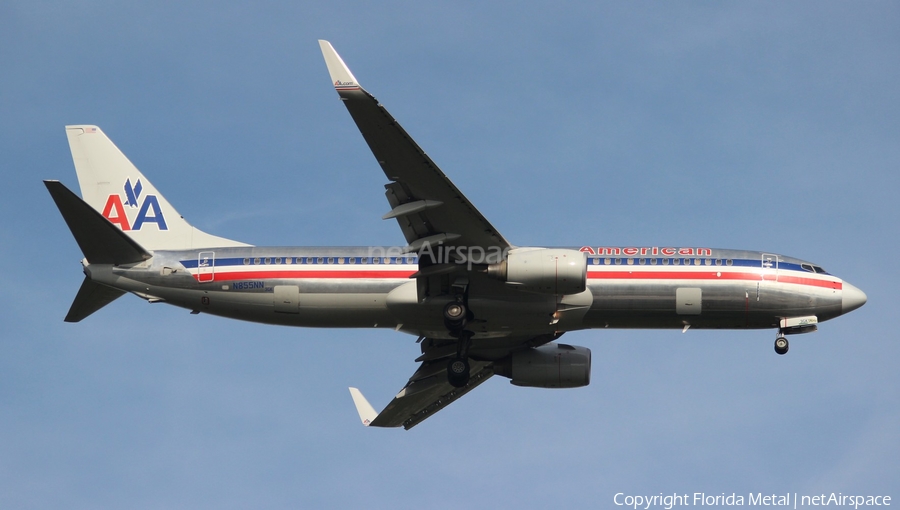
[{"x": 813, "y": 269}]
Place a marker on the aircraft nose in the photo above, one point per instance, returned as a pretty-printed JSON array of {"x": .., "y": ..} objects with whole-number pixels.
[{"x": 851, "y": 298}]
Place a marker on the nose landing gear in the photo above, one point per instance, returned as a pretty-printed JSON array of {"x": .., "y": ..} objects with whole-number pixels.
[
  {"x": 781, "y": 344},
  {"x": 794, "y": 326}
]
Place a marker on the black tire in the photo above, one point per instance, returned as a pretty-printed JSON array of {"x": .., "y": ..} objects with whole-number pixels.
[
  {"x": 454, "y": 311},
  {"x": 458, "y": 372},
  {"x": 782, "y": 345},
  {"x": 455, "y": 316}
]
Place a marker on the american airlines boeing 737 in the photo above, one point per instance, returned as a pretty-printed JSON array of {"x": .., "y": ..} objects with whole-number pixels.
[{"x": 479, "y": 305}]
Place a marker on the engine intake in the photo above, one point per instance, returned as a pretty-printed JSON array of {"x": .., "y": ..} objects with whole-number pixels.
[
  {"x": 543, "y": 270},
  {"x": 548, "y": 366}
]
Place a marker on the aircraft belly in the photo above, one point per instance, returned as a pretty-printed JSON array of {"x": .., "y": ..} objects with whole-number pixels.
[
  {"x": 351, "y": 305},
  {"x": 724, "y": 304}
]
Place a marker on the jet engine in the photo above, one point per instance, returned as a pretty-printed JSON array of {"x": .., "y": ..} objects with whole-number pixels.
[
  {"x": 548, "y": 366},
  {"x": 543, "y": 270}
]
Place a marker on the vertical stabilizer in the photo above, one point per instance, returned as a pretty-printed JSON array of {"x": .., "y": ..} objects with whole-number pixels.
[{"x": 113, "y": 186}]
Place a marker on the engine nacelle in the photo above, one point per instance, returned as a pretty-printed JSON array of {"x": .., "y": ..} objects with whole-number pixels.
[
  {"x": 548, "y": 366},
  {"x": 544, "y": 270}
]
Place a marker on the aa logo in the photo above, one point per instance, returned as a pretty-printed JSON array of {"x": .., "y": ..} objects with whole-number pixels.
[{"x": 148, "y": 209}]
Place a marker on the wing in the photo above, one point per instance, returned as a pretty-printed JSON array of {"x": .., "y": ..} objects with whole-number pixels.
[
  {"x": 428, "y": 207},
  {"x": 426, "y": 393}
]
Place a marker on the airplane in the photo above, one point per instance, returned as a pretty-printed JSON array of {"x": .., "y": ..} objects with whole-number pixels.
[{"x": 479, "y": 305}]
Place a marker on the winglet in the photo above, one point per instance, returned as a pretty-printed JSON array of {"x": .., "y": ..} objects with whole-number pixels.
[
  {"x": 363, "y": 407},
  {"x": 341, "y": 76}
]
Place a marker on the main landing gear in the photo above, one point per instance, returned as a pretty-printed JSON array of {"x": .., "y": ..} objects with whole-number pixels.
[
  {"x": 781, "y": 344},
  {"x": 455, "y": 318}
]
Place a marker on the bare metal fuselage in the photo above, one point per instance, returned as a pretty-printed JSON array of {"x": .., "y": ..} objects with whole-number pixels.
[{"x": 349, "y": 288}]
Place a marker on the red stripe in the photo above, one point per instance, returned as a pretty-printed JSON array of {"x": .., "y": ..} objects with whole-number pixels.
[
  {"x": 810, "y": 281},
  {"x": 267, "y": 275},
  {"x": 593, "y": 275},
  {"x": 707, "y": 275}
]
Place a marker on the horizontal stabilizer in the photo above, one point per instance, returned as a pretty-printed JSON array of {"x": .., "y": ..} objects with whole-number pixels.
[
  {"x": 100, "y": 241},
  {"x": 91, "y": 297}
]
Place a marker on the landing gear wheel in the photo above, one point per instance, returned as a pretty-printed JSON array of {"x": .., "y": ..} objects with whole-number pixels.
[
  {"x": 781, "y": 345},
  {"x": 458, "y": 372},
  {"x": 455, "y": 316}
]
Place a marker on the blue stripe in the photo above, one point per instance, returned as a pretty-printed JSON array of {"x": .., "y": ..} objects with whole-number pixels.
[{"x": 251, "y": 261}]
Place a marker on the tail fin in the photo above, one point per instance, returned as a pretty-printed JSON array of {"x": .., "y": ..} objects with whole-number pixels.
[{"x": 116, "y": 189}]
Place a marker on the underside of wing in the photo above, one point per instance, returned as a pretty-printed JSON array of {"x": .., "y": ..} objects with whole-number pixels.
[
  {"x": 527, "y": 361},
  {"x": 427, "y": 393},
  {"x": 429, "y": 208}
]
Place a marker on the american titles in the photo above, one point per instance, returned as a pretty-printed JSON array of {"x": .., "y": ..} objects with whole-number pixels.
[{"x": 645, "y": 250}]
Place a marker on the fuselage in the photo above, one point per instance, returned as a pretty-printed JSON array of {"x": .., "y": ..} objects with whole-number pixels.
[{"x": 370, "y": 287}]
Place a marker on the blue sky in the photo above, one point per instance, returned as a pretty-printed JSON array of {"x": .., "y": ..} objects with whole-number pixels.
[{"x": 768, "y": 126}]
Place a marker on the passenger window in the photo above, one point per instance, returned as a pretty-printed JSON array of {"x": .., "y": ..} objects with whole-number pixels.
[
  {"x": 729, "y": 262},
  {"x": 630, "y": 262},
  {"x": 665, "y": 262},
  {"x": 607, "y": 261},
  {"x": 708, "y": 262},
  {"x": 246, "y": 262},
  {"x": 653, "y": 262},
  {"x": 595, "y": 261},
  {"x": 256, "y": 260}
]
